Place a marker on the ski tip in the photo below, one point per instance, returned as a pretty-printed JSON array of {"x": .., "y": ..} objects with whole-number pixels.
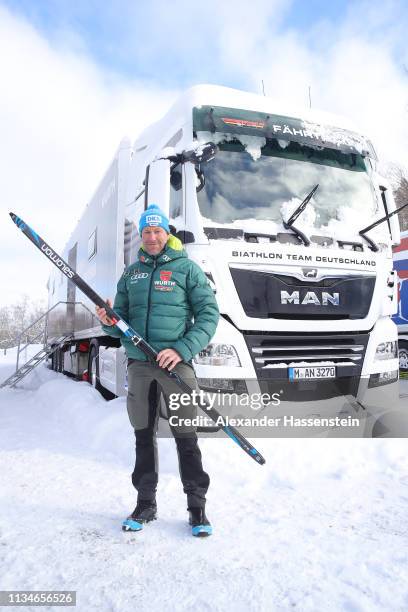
[{"x": 258, "y": 458}]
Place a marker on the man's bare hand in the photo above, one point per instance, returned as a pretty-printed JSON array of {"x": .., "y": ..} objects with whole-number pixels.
[
  {"x": 101, "y": 314},
  {"x": 168, "y": 358}
]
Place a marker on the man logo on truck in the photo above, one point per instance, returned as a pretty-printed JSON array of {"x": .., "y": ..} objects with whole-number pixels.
[
  {"x": 310, "y": 298},
  {"x": 309, "y": 272}
]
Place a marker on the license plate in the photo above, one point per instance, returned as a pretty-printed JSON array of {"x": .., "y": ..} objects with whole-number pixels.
[{"x": 312, "y": 372}]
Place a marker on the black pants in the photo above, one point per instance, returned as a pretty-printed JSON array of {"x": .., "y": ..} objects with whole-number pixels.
[{"x": 145, "y": 474}]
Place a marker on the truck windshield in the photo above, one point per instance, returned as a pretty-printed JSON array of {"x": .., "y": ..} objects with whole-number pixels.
[{"x": 266, "y": 183}]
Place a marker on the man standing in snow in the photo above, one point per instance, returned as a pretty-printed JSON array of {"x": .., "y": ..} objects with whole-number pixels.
[{"x": 159, "y": 296}]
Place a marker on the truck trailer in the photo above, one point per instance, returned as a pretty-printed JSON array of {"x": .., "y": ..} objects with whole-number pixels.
[{"x": 275, "y": 205}]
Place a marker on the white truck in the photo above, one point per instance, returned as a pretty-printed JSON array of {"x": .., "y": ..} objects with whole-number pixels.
[{"x": 272, "y": 204}]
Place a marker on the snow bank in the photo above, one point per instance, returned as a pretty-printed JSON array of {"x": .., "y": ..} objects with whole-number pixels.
[{"x": 321, "y": 526}]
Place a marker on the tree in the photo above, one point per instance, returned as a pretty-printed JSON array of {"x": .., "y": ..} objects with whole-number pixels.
[
  {"x": 401, "y": 198},
  {"x": 399, "y": 181},
  {"x": 16, "y": 318}
]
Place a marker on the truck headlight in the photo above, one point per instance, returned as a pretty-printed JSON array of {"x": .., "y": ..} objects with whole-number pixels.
[
  {"x": 218, "y": 355},
  {"x": 387, "y": 350}
]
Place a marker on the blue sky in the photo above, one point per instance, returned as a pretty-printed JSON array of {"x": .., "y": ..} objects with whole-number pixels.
[
  {"x": 179, "y": 43},
  {"x": 78, "y": 75}
]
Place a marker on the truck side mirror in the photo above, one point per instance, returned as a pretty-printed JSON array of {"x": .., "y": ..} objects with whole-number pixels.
[
  {"x": 185, "y": 236},
  {"x": 390, "y": 206},
  {"x": 203, "y": 153},
  {"x": 157, "y": 184}
]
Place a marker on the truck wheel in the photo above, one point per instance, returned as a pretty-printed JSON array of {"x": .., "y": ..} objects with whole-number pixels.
[
  {"x": 93, "y": 373},
  {"x": 403, "y": 355},
  {"x": 93, "y": 368},
  {"x": 53, "y": 362},
  {"x": 59, "y": 360}
]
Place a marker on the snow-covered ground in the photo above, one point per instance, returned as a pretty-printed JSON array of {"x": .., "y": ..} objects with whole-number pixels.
[{"x": 322, "y": 526}]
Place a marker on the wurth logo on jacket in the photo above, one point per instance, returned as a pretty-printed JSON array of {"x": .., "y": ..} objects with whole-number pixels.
[
  {"x": 165, "y": 275},
  {"x": 164, "y": 284}
]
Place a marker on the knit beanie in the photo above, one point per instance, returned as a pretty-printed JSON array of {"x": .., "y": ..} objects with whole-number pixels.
[{"x": 153, "y": 217}]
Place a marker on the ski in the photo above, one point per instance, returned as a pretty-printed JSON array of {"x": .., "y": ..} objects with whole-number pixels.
[{"x": 125, "y": 328}]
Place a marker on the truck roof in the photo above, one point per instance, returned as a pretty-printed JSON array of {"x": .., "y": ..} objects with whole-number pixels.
[{"x": 216, "y": 95}]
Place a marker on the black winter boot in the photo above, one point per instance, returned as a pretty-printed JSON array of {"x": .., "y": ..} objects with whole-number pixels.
[
  {"x": 145, "y": 511},
  {"x": 200, "y": 525}
]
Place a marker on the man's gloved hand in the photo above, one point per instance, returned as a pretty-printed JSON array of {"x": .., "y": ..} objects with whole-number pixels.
[{"x": 168, "y": 358}]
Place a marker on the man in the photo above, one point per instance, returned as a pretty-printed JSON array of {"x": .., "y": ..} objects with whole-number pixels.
[{"x": 159, "y": 296}]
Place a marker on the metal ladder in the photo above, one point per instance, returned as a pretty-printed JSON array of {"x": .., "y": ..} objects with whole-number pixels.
[
  {"x": 42, "y": 337},
  {"x": 33, "y": 362}
]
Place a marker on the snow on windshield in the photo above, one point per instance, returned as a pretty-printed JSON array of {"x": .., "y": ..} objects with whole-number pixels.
[
  {"x": 344, "y": 204},
  {"x": 336, "y": 136},
  {"x": 346, "y": 226},
  {"x": 252, "y": 144},
  {"x": 247, "y": 225},
  {"x": 308, "y": 216}
]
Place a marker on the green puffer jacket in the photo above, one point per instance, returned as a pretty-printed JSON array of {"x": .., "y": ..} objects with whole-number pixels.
[{"x": 159, "y": 296}]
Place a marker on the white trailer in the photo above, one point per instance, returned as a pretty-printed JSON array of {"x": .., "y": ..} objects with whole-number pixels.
[{"x": 274, "y": 219}]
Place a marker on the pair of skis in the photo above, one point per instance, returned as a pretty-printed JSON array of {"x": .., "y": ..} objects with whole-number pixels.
[{"x": 137, "y": 340}]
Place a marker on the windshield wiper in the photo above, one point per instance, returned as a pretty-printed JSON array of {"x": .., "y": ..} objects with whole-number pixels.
[
  {"x": 373, "y": 225},
  {"x": 374, "y": 247},
  {"x": 301, "y": 206},
  {"x": 289, "y": 223}
]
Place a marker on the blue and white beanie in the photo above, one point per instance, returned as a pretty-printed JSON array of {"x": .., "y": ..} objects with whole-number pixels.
[{"x": 153, "y": 217}]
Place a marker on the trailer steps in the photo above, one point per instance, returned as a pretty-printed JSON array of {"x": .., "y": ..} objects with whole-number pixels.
[
  {"x": 38, "y": 333},
  {"x": 33, "y": 362}
]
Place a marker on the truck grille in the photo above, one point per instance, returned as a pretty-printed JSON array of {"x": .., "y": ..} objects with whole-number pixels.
[
  {"x": 345, "y": 351},
  {"x": 264, "y": 295}
]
